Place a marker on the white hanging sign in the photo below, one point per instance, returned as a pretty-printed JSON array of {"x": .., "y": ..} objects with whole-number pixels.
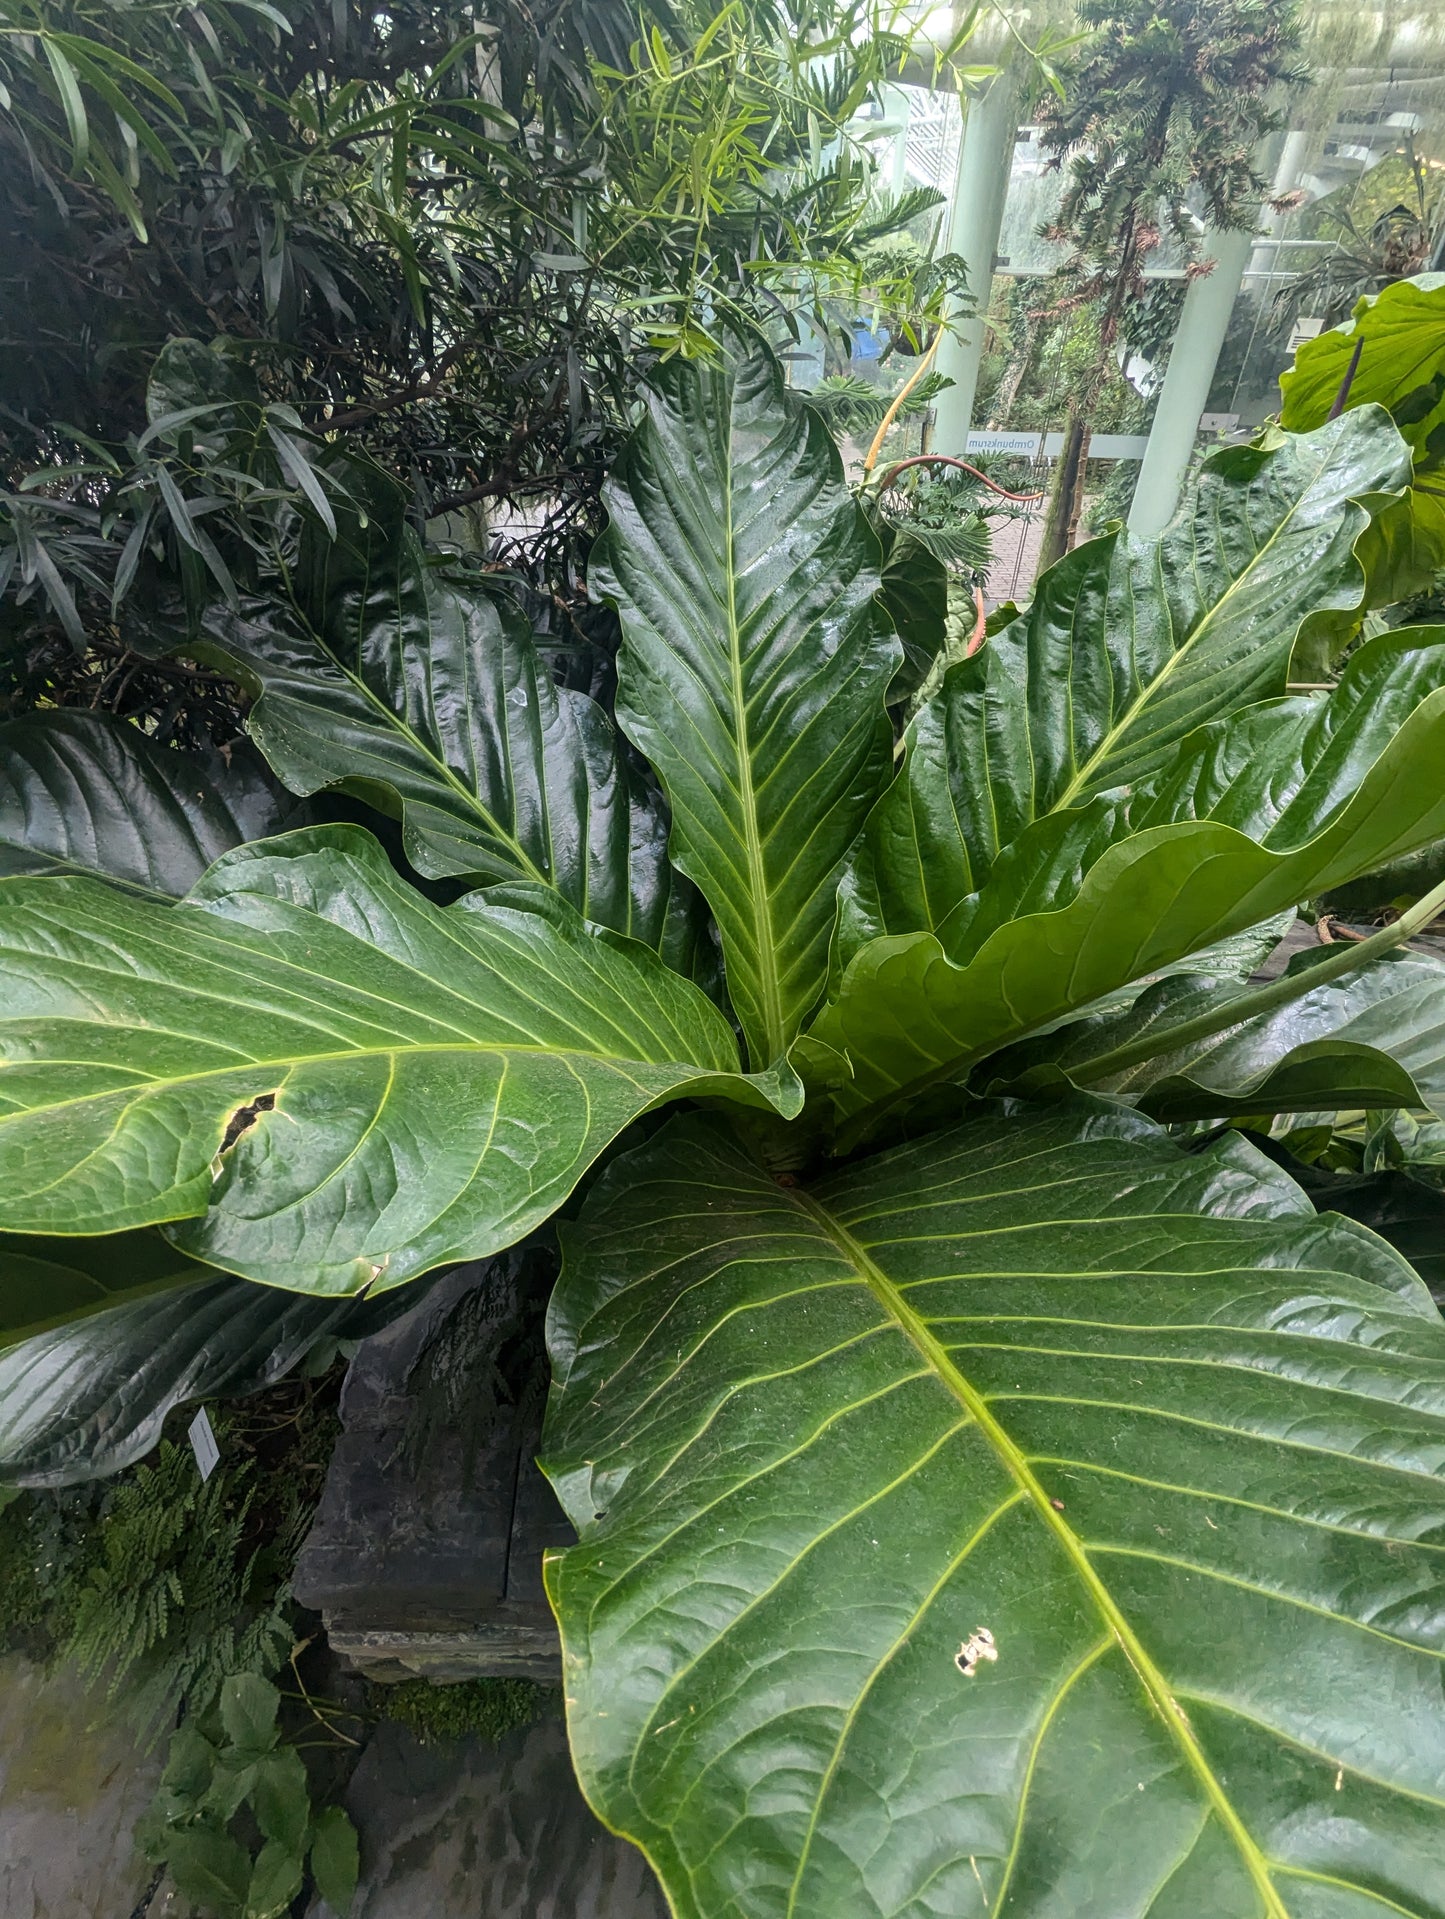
[
  {"x": 203, "y": 1444},
  {"x": 1022, "y": 445}
]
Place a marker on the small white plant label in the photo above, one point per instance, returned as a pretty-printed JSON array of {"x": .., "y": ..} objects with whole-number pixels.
[{"x": 203, "y": 1444}]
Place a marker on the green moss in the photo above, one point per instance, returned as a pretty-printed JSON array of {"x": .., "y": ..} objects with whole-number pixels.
[{"x": 487, "y": 1707}]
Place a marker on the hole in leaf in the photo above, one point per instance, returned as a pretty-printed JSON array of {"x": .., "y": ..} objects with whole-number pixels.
[
  {"x": 979, "y": 1645},
  {"x": 245, "y": 1117}
]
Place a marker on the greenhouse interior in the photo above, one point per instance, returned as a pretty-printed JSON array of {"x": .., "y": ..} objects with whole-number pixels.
[
  {"x": 1364, "y": 148},
  {"x": 722, "y": 959}
]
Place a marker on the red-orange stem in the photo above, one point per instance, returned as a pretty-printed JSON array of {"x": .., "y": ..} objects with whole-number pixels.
[
  {"x": 947, "y": 459},
  {"x": 980, "y": 625}
]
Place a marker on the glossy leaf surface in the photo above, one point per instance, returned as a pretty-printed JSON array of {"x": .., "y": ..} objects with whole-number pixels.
[
  {"x": 1403, "y": 548},
  {"x": 755, "y": 664},
  {"x": 337, "y": 1084},
  {"x": 1228, "y": 962},
  {"x": 84, "y": 793},
  {"x": 1374, "y": 1038},
  {"x": 429, "y": 699},
  {"x": 914, "y": 591},
  {"x": 1412, "y": 1140},
  {"x": 1390, "y": 353},
  {"x": 87, "y": 1397},
  {"x": 1406, "y": 1211},
  {"x": 1261, "y": 811},
  {"x": 1127, "y": 647},
  {"x": 1170, "y": 1440}
]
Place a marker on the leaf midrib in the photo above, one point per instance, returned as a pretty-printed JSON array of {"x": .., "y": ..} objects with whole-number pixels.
[
  {"x": 1017, "y": 1466},
  {"x": 471, "y": 801},
  {"x": 769, "y": 987},
  {"x": 1077, "y": 787},
  {"x": 290, "y": 1063}
]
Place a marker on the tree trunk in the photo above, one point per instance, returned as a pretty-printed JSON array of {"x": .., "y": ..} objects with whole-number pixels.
[
  {"x": 1066, "y": 497},
  {"x": 1080, "y": 482},
  {"x": 1013, "y": 374}
]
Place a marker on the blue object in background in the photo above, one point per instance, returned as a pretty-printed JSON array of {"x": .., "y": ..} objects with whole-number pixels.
[{"x": 868, "y": 344}]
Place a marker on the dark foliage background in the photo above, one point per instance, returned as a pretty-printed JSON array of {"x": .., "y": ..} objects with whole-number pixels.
[{"x": 450, "y": 239}]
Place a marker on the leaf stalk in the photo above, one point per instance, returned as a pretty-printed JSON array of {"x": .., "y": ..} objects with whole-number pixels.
[{"x": 1248, "y": 1006}]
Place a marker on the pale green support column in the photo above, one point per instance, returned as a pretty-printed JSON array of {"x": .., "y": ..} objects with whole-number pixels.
[
  {"x": 985, "y": 159},
  {"x": 898, "y": 108},
  {"x": 1203, "y": 324}
]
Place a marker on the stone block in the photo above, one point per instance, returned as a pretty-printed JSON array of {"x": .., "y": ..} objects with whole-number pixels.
[{"x": 425, "y": 1555}]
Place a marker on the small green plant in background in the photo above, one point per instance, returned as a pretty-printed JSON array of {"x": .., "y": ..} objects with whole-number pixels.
[
  {"x": 45, "y": 1550},
  {"x": 229, "y": 1779},
  {"x": 177, "y": 1598},
  {"x": 849, "y": 404},
  {"x": 946, "y": 511}
]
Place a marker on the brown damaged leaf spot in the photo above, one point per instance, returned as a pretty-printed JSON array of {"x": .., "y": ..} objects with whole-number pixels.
[{"x": 245, "y": 1117}]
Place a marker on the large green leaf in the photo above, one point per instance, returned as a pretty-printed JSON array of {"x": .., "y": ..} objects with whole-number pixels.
[
  {"x": 334, "y": 1858},
  {"x": 1400, "y": 335},
  {"x": 1372, "y": 1038},
  {"x": 1175, "y": 1443},
  {"x": 1406, "y": 1211},
  {"x": 1127, "y": 647},
  {"x": 82, "y": 792},
  {"x": 755, "y": 664},
  {"x": 337, "y": 1084},
  {"x": 428, "y": 698},
  {"x": 1260, "y": 811},
  {"x": 275, "y": 1881},
  {"x": 46, "y": 1282},
  {"x": 1403, "y": 549},
  {"x": 209, "y": 1868},
  {"x": 89, "y": 1395},
  {"x": 1396, "y": 885},
  {"x": 1391, "y": 353}
]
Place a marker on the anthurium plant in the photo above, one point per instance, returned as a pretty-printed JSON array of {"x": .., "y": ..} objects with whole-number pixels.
[{"x": 988, "y": 1499}]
